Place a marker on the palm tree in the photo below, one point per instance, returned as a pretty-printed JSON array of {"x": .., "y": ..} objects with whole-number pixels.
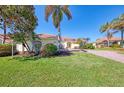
[
  {"x": 105, "y": 28},
  {"x": 57, "y": 12},
  {"x": 87, "y": 39},
  {"x": 118, "y": 25}
]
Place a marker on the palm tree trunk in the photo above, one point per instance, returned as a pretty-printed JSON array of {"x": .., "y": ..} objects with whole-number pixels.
[
  {"x": 59, "y": 37},
  {"x": 108, "y": 43},
  {"x": 4, "y": 39},
  {"x": 122, "y": 38},
  {"x": 108, "y": 37}
]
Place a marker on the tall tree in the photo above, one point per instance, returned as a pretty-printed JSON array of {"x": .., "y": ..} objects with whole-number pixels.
[
  {"x": 118, "y": 25},
  {"x": 24, "y": 25},
  {"x": 106, "y": 28},
  {"x": 85, "y": 40},
  {"x": 6, "y": 13},
  {"x": 57, "y": 12}
]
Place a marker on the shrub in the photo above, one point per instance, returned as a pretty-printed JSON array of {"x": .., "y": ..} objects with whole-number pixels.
[
  {"x": 6, "y": 49},
  {"x": 88, "y": 46},
  {"x": 37, "y": 47},
  {"x": 49, "y": 50},
  {"x": 115, "y": 46}
]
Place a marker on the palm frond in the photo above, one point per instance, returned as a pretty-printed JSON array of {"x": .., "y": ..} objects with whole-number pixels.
[
  {"x": 121, "y": 17},
  {"x": 55, "y": 19},
  {"x": 115, "y": 20},
  {"x": 105, "y": 27},
  {"x": 60, "y": 15},
  {"x": 48, "y": 11},
  {"x": 109, "y": 35},
  {"x": 114, "y": 32},
  {"x": 67, "y": 12},
  {"x": 118, "y": 25}
]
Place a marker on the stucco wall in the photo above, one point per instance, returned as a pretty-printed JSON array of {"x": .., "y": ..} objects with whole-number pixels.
[
  {"x": 19, "y": 48},
  {"x": 73, "y": 46}
]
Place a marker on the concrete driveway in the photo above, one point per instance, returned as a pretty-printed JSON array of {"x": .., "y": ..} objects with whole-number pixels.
[{"x": 108, "y": 54}]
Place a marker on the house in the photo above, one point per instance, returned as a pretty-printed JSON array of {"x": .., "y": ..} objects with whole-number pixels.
[
  {"x": 44, "y": 38},
  {"x": 103, "y": 42},
  {"x": 7, "y": 41},
  {"x": 68, "y": 43},
  {"x": 48, "y": 38}
]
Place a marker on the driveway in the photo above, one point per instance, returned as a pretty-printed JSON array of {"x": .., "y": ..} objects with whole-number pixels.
[{"x": 108, "y": 54}]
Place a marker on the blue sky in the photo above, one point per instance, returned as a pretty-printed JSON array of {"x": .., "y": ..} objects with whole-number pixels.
[{"x": 86, "y": 21}]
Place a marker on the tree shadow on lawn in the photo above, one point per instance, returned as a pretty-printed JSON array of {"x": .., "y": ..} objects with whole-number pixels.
[
  {"x": 34, "y": 58},
  {"x": 25, "y": 58},
  {"x": 64, "y": 53}
]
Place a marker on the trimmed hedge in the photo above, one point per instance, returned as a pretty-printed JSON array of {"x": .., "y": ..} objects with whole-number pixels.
[
  {"x": 6, "y": 49},
  {"x": 115, "y": 46},
  {"x": 88, "y": 46},
  {"x": 49, "y": 50}
]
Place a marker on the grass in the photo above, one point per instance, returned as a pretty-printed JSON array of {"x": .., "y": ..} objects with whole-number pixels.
[{"x": 79, "y": 69}]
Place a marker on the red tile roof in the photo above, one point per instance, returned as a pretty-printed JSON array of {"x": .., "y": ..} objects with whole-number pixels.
[
  {"x": 68, "y": 39},
  {"x": 100, "y": 40},
  {"x": 44, "y": 36},
  {"x": 8, "y": 39}
]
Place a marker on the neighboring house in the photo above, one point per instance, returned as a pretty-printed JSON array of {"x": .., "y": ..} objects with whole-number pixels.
[
  {"x": 70, "y": 43},
  {"x": 7, "y": 41},
  {"x": 48, "y": 38},
  {"x": 103, "y": 42},
  {"x": 45, "y": 39}
]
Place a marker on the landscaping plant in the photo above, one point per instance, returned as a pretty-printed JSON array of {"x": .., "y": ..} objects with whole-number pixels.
[
  {"x": 49, "y": 50},
  {"x": 88, "y": 46}
]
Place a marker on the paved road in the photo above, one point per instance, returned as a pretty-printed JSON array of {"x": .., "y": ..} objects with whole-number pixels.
[{"x": 108, "y": 54}]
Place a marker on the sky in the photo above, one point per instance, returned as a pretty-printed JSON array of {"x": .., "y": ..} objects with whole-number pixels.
[{"x": 85, "y": 23}]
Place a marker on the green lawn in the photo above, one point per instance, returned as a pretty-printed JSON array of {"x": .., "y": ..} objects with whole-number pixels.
[{"x": 79, "y": 69}]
